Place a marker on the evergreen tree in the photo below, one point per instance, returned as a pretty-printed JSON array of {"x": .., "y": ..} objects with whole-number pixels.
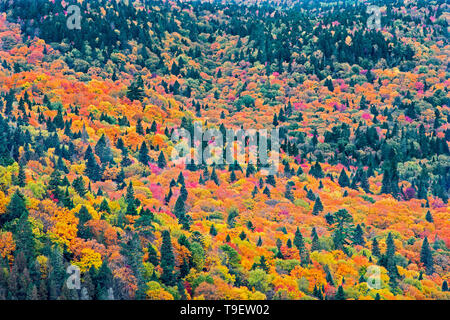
[
  {"x": 445, "y": 286},
  {"x": 298, "y": 240},
  {"x": 429, "y": 217},
  {"x": 167, "y": 260},
  {"x": 21, "y": 177},
  {"x": 344, "y": 181},
  {"x": 78, "y": 185},
  {"x": 24, "y": 238},
  {"x": 93, "y": 170},
  {"x": 179, "y": 209},
  {"x": 213, "y": 231},
  {"x": 15, "y": 209},
  {"x": 152, "y": 255},
  {"x": 143, "y": 154},
  {"x": 426, "y": 257},
  {"x": 214, "y": 177},
  {"x": 161, "y": 161},
  {"x": 232, "y": 176},
  {"x": 266, "y": 191},
  {"x": 375, "y": 248},
  {"x": 340, "y": 294},
  {"x": 136, "y": 90},
  {"x": 104, "y": 206},
  {"x": 259, "y": 243},
  {"x": 358, "y": 236},
  {"x": 315, "y": 243},
  {"x": 318, "y": 207}
]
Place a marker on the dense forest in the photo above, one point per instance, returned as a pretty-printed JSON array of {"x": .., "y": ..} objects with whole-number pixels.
[{"x": 86, "y": 175}]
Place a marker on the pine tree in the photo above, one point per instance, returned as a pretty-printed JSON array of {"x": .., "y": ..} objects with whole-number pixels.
[
  {"x": 15, "y": 209},
  {"x": 21, "y": 177},
  {"x": 24, "y": 238},
  {"x": 213, "y": 231},
  {"x": 139, "y": 128},
  {"x": 426, "y": 257},
  {"x": 143, "y": 154},
  {"x": 288, "y": 193},
  {"x": 103, "y": 150},
  {"x": 310, "y": 195},
  {"x": 135, "y": 90},
  {"x": 161, "y": 161},
  {"x": 318, "y": 207},
  {"x": 129, "y": 197},
  {"x": 214, "y": 177},
  {"x": 232, "y": 176},
  {"x": 266, "y": 191},
  {"x": 358, "y": 237},
  {"x": 131, "y": 209},
  {"x": 78, "y": 185},
  {"x": 340, "y": 294},
  {"x": 255, "y": 191},
  {"x": 180, "y": 179},
  {"x": 259, "y": 243},
  {"x": 152, "y": 255},
  {"x": 298, "y": 240},
  {"x": 93, "y": 170},
  {"x": 344, "y": 181},
  {"x": 167, "y": 260},
  {"x": 445, "y": 286},
  {"x": 315, "y": 243},
  {"x": 429, "y": 217},
  {"x": 179, "y": 208},
  {"x": 328, "y": 276},
  {"x": 390, "y": 179},
  {"x": 316, "y": 171},
  {"x": 104, "y": 206},
  {"x": 389, "y": 261},
  {"x": 375, "y": 248}
]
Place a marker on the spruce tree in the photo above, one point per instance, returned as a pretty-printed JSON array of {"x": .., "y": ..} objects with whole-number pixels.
[
  {"x": 161, "y": 161},
  {"x": 375, "y": 248},
  {"x": 259, "y": 243},
  {"x": 21, "y": 177},
  {"x": 214, "y": 177},
  {"x": 143, "y": 154},
  {"x": 15, "y": 209},
  {"x": 426, "y": 257},
  {"x": 358, "y": 236},
  {"x": 344, "y": 181},
  {"x": 167, "y": 260},
  {"x": 213, "y": 231},
  {"x": 152, "y": 255},
  {"x": 429, "y": 217},
  {"x": 340, "y": 294},
  {"x": 315, "y": 243},
  {"x": 445, "y": 286},
  {"x": 318, "y": 207}
]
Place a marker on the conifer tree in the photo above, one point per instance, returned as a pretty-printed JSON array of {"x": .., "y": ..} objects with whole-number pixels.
[
  {"x": 344, "y": 181},
  {"x": 358, "y": 237},
  {"x": 167, "y": 260},
  {"x": 161, "y": 161},
  {"x": 21, "y": 177},
  {"x": 318, "y": 207},
  {"x": 213, "y": 231},
  {"x": 259, "y": 243},
  {"x": 143, "y": 154},
  {"x": 426, "y": 257},
  {"x": 315, "y": 243},
  {"x": 340, "y": 294}
]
